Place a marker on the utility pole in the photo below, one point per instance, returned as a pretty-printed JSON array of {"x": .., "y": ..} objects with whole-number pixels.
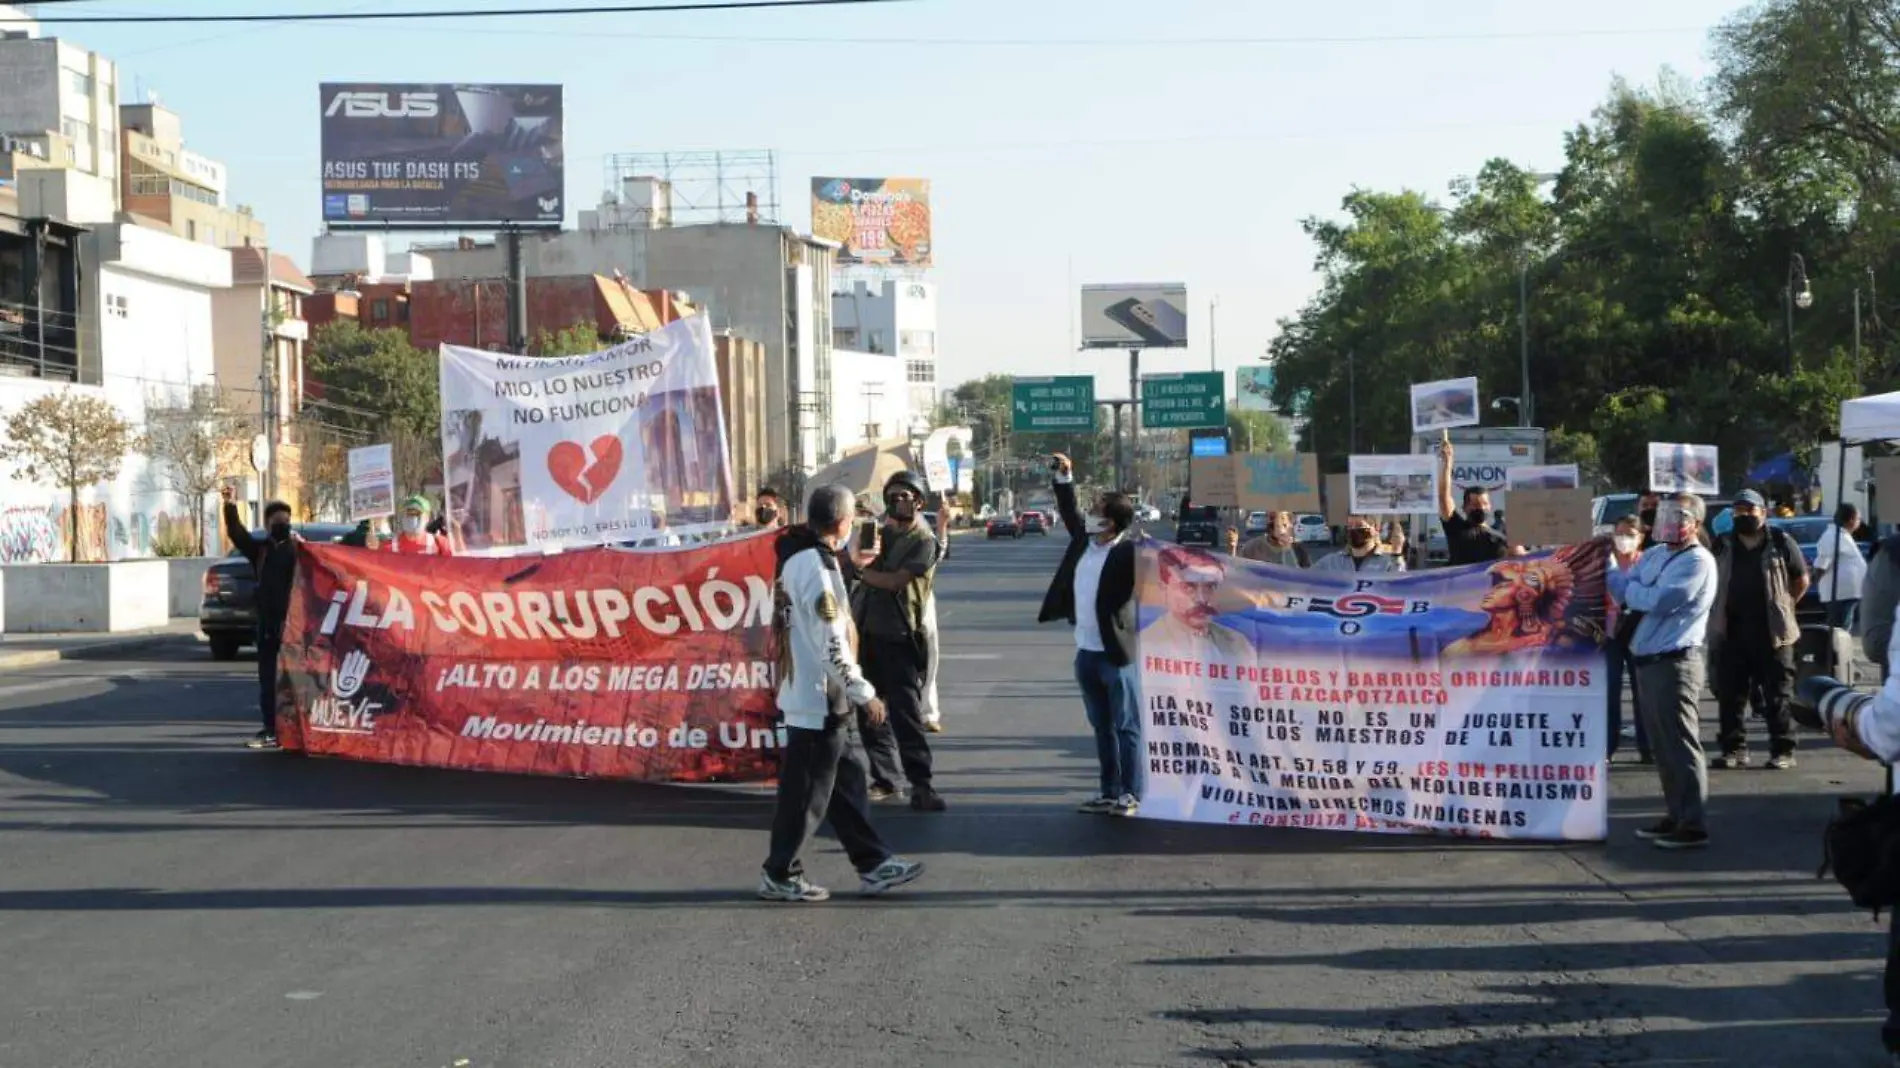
[
  {"x": 1857, "y": 339},
  {"x": 1134, "y": 419},
  {"x": 267, "y": 478},
  {"x": 517, "y": 294},
  {"x": 1213, "y": 336}
]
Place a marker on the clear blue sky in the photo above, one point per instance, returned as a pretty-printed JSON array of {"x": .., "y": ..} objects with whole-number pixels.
[{"x": 1053, "y": 164}]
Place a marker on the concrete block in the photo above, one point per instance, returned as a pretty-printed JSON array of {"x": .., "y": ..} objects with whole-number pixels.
[
  {"x": 188, "y": 583},
  {"x": 86, "y": 598}
]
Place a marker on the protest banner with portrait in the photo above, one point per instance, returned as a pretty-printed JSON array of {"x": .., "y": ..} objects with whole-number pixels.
[
  {"x": 615, "y": 446},
  {"x": 656, "y": 666},
  {"x": 1465, "y": 701}
]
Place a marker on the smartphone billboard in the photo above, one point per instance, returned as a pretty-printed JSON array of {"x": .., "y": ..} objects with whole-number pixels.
[
  {"x": 441, "y": 156},
  {"x": 1134, "y": 316},
  {"x": 883, "y": 222}
]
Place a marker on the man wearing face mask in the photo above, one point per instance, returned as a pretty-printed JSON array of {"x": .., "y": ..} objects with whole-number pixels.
[
  {"x": 1646, "y": 514},
  {"x": 1094, "y": 591},
  {"x": 1668, "y": 592},
  {"x": 1468, "y": 540},
  {"x": 274, "y": 560},
  {"x": 413, "y": 537},
  {"x": 889, "y": 603},
  {"x": 768, "y": 509},
  {"x": 1362, "y": 551},
  {"x": 1761, "y": 577}
]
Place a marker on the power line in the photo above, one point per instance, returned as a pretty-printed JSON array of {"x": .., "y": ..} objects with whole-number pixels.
[
  {"x": 1106, "y": 42},
  {"x": 475, "y": 13}
]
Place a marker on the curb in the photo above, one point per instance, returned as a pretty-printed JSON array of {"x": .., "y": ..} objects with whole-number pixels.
[{"x": 89, "y": 651}]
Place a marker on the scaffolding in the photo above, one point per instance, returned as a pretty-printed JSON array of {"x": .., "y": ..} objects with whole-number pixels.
[{"x": 704, "y": 187}]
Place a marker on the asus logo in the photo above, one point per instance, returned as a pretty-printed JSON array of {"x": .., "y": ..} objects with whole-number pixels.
[
  {"x": 549, "y": 203},
  {"x": 383, "y": 106}
]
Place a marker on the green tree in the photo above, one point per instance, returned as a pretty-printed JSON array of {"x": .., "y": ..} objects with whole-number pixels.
[
  {"x": 373, "y": 387},
  {"x": 71, "y": 440},
  {"x": 579, "y": 339},
  {"x": 194, "y": 444}
]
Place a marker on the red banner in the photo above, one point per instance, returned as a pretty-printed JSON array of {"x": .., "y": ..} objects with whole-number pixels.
[{"x": 600, "y": 663}]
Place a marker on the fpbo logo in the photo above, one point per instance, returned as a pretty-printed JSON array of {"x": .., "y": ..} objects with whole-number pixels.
[{"x": 1352, "y": 607}]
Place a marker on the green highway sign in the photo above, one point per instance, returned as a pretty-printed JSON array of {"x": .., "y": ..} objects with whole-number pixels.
[
  {"x": 1053, "y": 405},
  {"x": 1184, "y": 401}
]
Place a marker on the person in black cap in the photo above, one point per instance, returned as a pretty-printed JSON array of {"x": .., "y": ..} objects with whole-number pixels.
[
  {"x": 1760, "y": 577},
  {"x": 889, "y": 606}
]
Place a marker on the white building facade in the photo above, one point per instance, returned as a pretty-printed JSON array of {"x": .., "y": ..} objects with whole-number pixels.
[
  {"x": 59, "y": 102},
  {"x": 146, "y": 316},
  {"x": 896, "y": 317},
  {"x": 870, "y": 398}
]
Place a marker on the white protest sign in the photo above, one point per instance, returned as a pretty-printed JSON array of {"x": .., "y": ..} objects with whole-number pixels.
[
  {"x": 616, "y": 446},
  {"x": 372, "y": 482}
]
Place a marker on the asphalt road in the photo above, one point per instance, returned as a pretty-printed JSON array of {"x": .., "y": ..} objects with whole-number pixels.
[{"x": 168, "y": 898}]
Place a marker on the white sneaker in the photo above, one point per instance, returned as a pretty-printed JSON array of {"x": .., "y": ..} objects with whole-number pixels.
[
  {"x": 1126, "y": 806},
  {"x": 795, "y": 889},
  {"x": 894, "y": 872}
]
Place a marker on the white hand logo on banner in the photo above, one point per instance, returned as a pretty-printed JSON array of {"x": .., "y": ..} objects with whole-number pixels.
[{"x": 349, "y": 674}]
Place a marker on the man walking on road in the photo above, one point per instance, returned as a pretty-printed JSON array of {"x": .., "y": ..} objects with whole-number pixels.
[
  {"x": 893, "y": 587},
  {"x": 1671, "y": 588},
  {"x": 819, "y": 777},
  {"x": 274, "y": 561},
  {"x": 1094, "y": 590},
  {"x": 1468, "y": 540},
  {"x": 1761, "y": 576}
]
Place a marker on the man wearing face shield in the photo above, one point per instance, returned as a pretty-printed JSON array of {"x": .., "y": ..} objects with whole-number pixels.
[
  {"x": 1668, "y": 593},
  {"x": 274, "y": 560},
  {"x": 1094, "y": 591},
  {"x": 890, "y": 604}
]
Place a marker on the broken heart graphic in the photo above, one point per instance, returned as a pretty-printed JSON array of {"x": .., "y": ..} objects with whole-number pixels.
[{"x": 585, "y": 473}]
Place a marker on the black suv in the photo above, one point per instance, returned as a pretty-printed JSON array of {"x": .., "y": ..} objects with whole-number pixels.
[
  {"x": 1198, "y": 525},
  {"x": 228, "y": 614}
]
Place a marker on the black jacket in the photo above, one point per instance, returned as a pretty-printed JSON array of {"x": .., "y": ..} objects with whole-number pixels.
[
  {"x": 1114, "y": 600},
  {"x": 275, "y": 564}
]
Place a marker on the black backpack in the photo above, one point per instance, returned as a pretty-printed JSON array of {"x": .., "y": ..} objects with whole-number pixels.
[{"x": 1861, "y": 846}]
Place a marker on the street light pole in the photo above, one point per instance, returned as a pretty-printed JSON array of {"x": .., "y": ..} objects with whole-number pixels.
[
  {"x": 1793, "y": 298},
  {"x": 1213, "y": 336},
  {"x": 1524, "y": 338}
]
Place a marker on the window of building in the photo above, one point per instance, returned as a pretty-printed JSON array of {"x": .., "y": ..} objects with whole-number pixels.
[
  {"x": 379, "y": 310},
  {"x": 116, "y": 306},
  {"x": 920, "y": 370},
  {"x": 879, "y": 343},
  {"x": 918, "y": 342},
  {"x": 79, "y": 83},
  {"x": 77, "y": 130},
  {"x": 191, "y": 230},
  {"x": 844, "y": 339},
  {"x": 147, "y": 184}
]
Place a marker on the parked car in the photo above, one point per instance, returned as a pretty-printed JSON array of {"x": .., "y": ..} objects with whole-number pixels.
[
  {"x": 1147, "y": 513},
  {"x": 1255, "y": 526},
  {"x": 1033, "y": 523},
  {"x": 1312, "y": 528},
  {"x": 228, "y": 614},
  {"x": 1198, "y": 525},
  {"x": 1003, "y": 526}
]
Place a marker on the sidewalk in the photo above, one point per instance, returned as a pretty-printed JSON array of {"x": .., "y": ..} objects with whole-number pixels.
[{"x": 29, "y": 650}]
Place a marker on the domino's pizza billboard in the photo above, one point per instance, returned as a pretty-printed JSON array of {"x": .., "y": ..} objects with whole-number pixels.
[{"x": 441, "y": 156}]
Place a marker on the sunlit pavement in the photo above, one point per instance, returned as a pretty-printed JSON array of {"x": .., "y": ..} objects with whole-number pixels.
[{"x": 169, "y": 898}]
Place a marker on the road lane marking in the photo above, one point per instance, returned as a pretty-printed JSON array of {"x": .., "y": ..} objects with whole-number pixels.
[{"x": 970, "y": 656}]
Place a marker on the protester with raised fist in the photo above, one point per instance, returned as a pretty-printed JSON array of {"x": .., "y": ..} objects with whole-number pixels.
[
  {"x": 274, "y": 561},
  {"x": 1094, "y": 591}
]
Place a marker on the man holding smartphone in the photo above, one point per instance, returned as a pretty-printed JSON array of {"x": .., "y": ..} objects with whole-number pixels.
[{"x": 889, "y": 604}]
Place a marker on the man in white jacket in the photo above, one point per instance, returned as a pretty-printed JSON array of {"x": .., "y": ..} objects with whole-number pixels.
[{"x": 819, "y": 683}]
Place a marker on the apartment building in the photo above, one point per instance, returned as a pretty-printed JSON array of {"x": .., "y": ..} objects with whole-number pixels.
[{"x": 167, "y": 183}]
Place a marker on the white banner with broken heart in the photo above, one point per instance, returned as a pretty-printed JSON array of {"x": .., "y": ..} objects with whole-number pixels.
[{"x": 624, "y": 445}]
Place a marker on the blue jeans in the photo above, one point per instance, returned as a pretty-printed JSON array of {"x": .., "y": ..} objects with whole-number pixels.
[{"x": 1109, "y": 696}]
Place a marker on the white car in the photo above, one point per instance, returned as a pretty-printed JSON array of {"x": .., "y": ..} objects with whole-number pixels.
[
  {"x": 1147, "y": 513},
  {"x": 1311, "y": 528}
]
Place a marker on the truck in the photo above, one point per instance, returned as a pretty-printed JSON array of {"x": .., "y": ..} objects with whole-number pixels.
[{"x": 1480, "y": 457}]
